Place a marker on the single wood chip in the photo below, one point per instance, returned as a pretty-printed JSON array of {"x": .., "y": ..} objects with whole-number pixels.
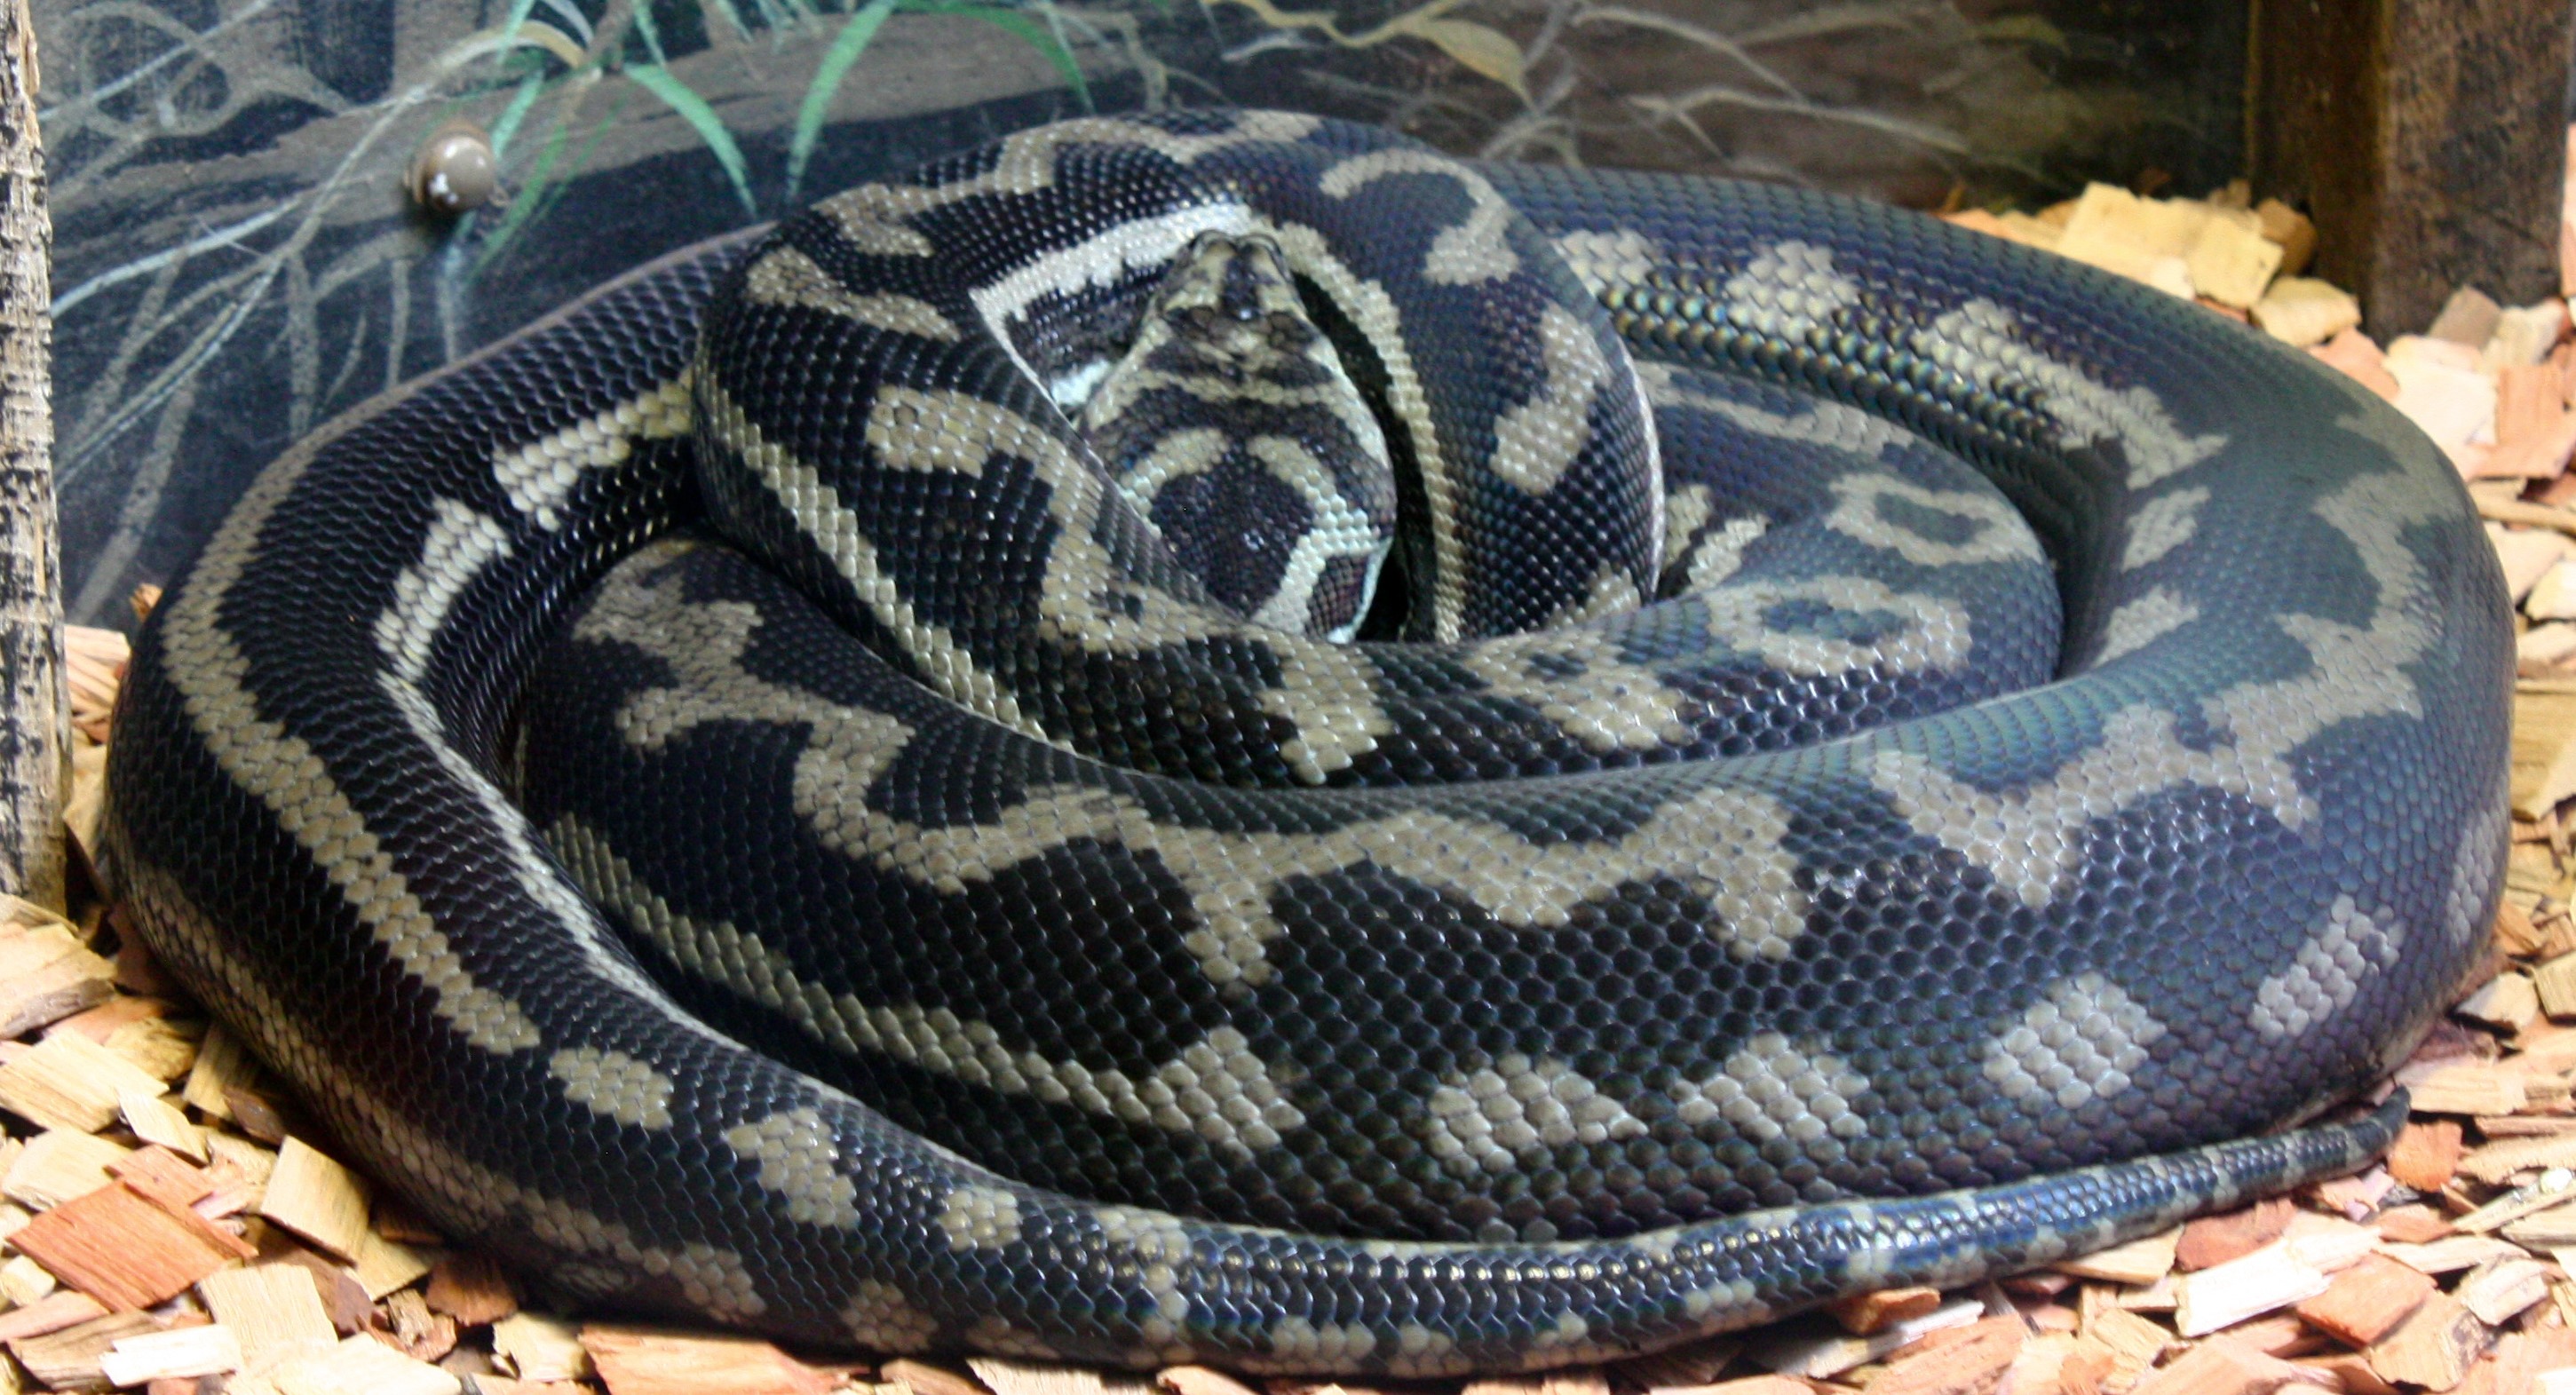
[
  {"x": 471, "y": 1288},
  {"x": 69, "y": 1359},
  {"x": 361, "y": 1366},
  {"x": 127, "y": 1249},
  {"x": 2134, "y": 1342},
  {"x": 540, "y": 1348},
  {"x": 423, "y": 1335},
  {"x": 383, "y": 1265},
  {"x": 2433, "y": 1346},
  {"x": 2358, "y": 357},
  {"x": 2425, "y": 1154},
  {"x": 164, "y": 1176},
  {"x": 52, "y": 1313},
  {"x": 273, "y": 1309},
  {"x": 2480, "y": 1088},
  {"x": 2214, "y": 1240},
  {"x": 2451, "y": 1255},
  {"x": 2498, "y": 1161},
  {"x": 2506, "y": 1002},
  {"x": 1200, "y": 1380},
  {"x": 2367, "y": 1301},
  {"x": 1819, "y": 1355},
  {"x": 161, "y": 1047},
  {"x": 317, "y": 1198},
  {"x": 1961, "y": 1362},
  {"x": 155, "y": 1120},
  {"x": 1005, "y": 1376},
  {"x": 2219, "y": 1366},
  {"x": 207, "y": 1350},
  {"x": 2501, "y": 1288},
  {"x": 650, "y": 1361},
  {"x": 2141, "y": 1261},
  {"x": 2299, "y": 311},
  {"x": 56, "y": 1166},
  {"x": 221, "y": 1064},
  {"x": 1864, "y": 1313},
  {"x": 2226, "y": 1294},
  {"x": 46, "y": 976},
  {"x": 70, "y": 1082}
]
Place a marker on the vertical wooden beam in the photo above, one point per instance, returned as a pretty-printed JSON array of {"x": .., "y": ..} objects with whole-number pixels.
[
  {"x": 35, "y": 718},
  {"x": 2427, "y": 138}
]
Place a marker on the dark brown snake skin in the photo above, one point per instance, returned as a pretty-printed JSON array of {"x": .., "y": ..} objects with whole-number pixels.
[{"x": 1742, "y": 863}]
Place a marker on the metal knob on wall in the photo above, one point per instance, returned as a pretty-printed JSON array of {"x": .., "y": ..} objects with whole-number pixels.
[{"x": 455, "y": 171}]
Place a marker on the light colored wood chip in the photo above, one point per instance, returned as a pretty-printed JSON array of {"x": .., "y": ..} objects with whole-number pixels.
[
  {"x": 2525, "y": 335},
  {"x": 2290, "y": 228},
  {"x": 383, "y": 1265},
  {"x": 1200, "y": 1380},
  {"x": 70, "y": 1082},
  {"x": 1004, "y": 1376},
  {"x": 2482, "y": 1088},
  {"x": 46, "y": 976},
  {"x": 534, "y": 1347},
  {"x": 314, "y": 1196},
  {"x": 161, "y": 1047},
  {"x": 69, "y": 1359},
  {"x": 2551, "y": 1191},
  {"x": 1864, "y": 1313},
  {"x": 2556, "y": 979},
  {"x": 56, "y": 1166},
  {"x": 2508, "y": 1001},
  {"x": 424, "y": 1335},
  {"x": 2300, "y": 311},
  {"x": 2542, "y": 454},
  {"x": 155, "y": 1120},
  {"x": 24, "y": 1281},
  {"x": 1694, "y": 1363},
  {"x": 2141, "y": 1261},
  {"x": 1965, "y": 1361},
  {"x": 2226, "y": 1294},
  {"x": 2232, "y": 262},
  {"x": 2450, "y": 1256},
  {"x": 649, "y": 1361},
  {"x": 2498, "y": 1161},
  {"x": 1819, "y": 1355},
  {"x": 125, "y": 1249},
  {"x": 2468, "y": 318},
  {"x": 2433, "y": 1346},
  {"x": 273, "y": 1309},
  {"x": 2501, "y": 1288},
  {"x": 2543, "y": 775},
  {"x": 923, "y": 1378},
  {"x": 207, "y": 1350},
  {"x": 222, "y": 1063},
  {"x": 361, "y": 1365},
  {"x": 2366, "y": 1302},
  {"x": 471, "y": 1288}
]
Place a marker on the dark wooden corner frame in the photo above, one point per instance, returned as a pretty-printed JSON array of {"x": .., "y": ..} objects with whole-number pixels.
[{"x": 2427, "y": 138}]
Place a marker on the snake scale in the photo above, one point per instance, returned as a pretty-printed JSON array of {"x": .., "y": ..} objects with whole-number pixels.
[{"x": 1895, "y": 759}]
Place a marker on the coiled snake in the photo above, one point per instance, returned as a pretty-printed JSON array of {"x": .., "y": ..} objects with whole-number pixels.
[{"x": 1812, "y": 881}]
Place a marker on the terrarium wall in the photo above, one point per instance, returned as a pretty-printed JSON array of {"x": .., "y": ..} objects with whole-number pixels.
[{"x": 237, "y": 257}]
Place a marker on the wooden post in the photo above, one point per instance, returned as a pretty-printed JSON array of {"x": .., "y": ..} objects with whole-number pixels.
[
  {"x": 35, "y": 719},
  {"x": 2427, "y": 138}
]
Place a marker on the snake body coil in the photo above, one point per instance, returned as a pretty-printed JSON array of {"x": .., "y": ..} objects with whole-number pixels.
[{"x": 1519, "y": 993}]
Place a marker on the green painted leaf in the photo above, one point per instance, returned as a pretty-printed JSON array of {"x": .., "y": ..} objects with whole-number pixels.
[
  {"x": 837, "y": 61},
  {"x": 692, "y": 108}
]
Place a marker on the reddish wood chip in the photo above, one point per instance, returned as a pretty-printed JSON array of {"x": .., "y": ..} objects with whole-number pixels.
[
  {"x": 1864, "y": 1313},
  {"x": 2219, "y": 1366},
  {"x": 2214, "y": 1240},
  {"x": 2413, "y": 1225},
  {"x": 641, "y": 1361},
  {"x": 124, "y": 1248},
  {"x": 470, "y": 1288},
  {"x": 2367, "y": 1300},
  {"x": 2426, "y": 1153},
  {"x": 1959, "y": 1361}
]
